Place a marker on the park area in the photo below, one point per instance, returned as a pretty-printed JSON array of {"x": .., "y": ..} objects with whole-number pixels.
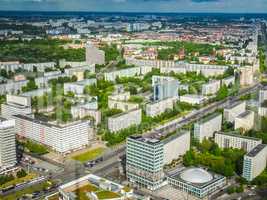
[{"x": 89, "y": 155}]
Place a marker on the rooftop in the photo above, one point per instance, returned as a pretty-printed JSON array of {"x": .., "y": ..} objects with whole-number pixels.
[
  {"x": 245, "y": 114},
  {"x": 236, "y": 134},
  {"x": 235, "y": 104},
  {"x": 256, "y": 150},
  {"x": 209, "y": 117}
]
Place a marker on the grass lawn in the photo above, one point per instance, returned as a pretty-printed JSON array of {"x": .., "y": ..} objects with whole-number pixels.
[
  {"x": 28, "y": 190},
  {"x": 107, "y": 195},
  {"x": 19, "y": 180},
  {"x": 89, "y": 155}
]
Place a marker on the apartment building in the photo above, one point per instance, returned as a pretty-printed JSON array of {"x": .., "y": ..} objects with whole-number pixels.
[
  {"x": 211, "y": 88},
  {"x": 193, "y": 99},
  {"x": 16, "y": 105},
  {"x": 124, "y": 120},
  {"x": 233, "y": 110},
  {"x": 12, "y": 87},
  {"x": 263, "y": 94},
  {"x": 255, "y": 162},
  {"x": 206, "y": 127},
  {"x": 120, "y": 101},
  {"x": 8, "y": 157},
  {"x": 158, "y": 107},
  {"x": 63, "y": 138},
  {"x": 236, "y": 141},
  {"x": 245, "y": 120},
  {"x": 9, "y": 66},
  {"x": 246, "y": 76},
  {"x": 78, "y": 87},
  {"x": 228, "y": 81}
]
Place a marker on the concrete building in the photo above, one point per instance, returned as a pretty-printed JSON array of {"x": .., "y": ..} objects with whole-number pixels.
[
  {"x": 245, "y": 120},
  {"x": 78, "y": 87},
  {"x": 228, "y": 81},
  {"x": 16, "y": 105},
  {"x": 63, "y": 138},
  {"x": 79, "y": 71},
  {"x": 164, "y": 87},
  {"x": 255, "y": 162},
  {"x": 8, "y": 157},
  {"x": 211, "y": 88},
  {"x": 193, "y": 99},
  {"x": 233, "y": 110},
  {"x": 246, "y": 76},
  {"x": 158, "y": 107},
  {"x": 263, "y": 94},
  {"x": 144, "y": 162},
  {"x": 124, "y": 120},
  {"x": 197, "y": 181},
  {"x": 101, "y": 187},
  {"x": 94, "y": 55},
  {"x": 236, "y": 141},
  {"x": 206, "y": 127},
  {"x": 175, "y": 146},
  {"x": 37, "y": 92},
  {"x": 28, "y": 67},
  {"x": 120, "y": 101},
  {"x": 12, "y": 87},
  {"x": 43, "y": 81}
]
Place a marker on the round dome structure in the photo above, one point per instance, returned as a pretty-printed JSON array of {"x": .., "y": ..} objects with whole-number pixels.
[{"x": 196, "y": 175}]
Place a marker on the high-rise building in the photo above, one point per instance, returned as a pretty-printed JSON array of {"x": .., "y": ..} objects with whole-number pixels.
[
  {"x": 246, "y": 76},
  {"x": 164, "y": 87},
  {"x": 94, "y": 55},
  {"x": 245, "y": 120},
  {"x": 144, "y": 162},
  {"x": 255, "y": 162},
  {"x": 206, "y": 127},
  {"x": 8, "y": 156}
]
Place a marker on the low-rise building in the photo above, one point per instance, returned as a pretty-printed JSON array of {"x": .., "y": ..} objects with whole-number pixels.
[
  {"x": 124, "y": 120},
  {"x": 245, "y": 120},
  {"x": 255, "y": 162},
  {"x": 236, "y": 141},
  {"x": 206, "y": 127},
  {"x": 233, "y": 110},
  {"x": 63, "y": 138}
]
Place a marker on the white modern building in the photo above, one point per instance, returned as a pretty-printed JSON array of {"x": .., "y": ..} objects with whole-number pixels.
[
  {"x": 263, "y": 94},
  {"x": 236, "y": 141},
  {"x": 233, "y": 110},
  {"x": 16, "y": 105},
  {"x": 228, "y": 81},
  {"x": 9, "y": 66},
  {"x": 8, "y": 157},
  {"x": 206, "y": 127},
  {"x": 197, "y": 181},
  {"x": 63, "y": 138},
  {"x": 12, "y": 87},
  {"x": 255, "y": 162},
  {"x": 245, "y": 120},
  {"x": 120, "y": 101},
  {"x": 211, "y": 88},
  {"x": 124, "y": 120},
  {"x": 246, "y": 76}
]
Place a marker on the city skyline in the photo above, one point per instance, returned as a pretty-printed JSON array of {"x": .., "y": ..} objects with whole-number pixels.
[{"x": 175, "y": 6}]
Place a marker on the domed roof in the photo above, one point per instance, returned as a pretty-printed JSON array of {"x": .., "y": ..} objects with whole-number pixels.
[{"x": 196, "y": 175}]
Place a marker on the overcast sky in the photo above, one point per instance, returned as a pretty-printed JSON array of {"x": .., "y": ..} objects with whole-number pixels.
[{"x": 225, "y": 6}]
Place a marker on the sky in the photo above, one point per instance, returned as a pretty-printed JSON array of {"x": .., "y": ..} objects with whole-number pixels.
[{"x": 178, "y": 6}]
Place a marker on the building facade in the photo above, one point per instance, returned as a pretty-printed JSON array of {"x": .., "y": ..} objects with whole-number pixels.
[
  {"x": 245, "y": 120},
  {"x": 232, "y": 111},
  {"x": 210, "y": 88},
  {"x": 158, "y": 107}
]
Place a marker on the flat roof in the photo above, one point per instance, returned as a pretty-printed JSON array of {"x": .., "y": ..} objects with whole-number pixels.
[
  {"x": 236, "y": 134},
  {"x": 244, "y": 114},
  {"x": 256, "y": 150},
  {"x": 209, "y": 117},
  {"x": 148, "y": 140},
  {"x": 234, "y": 104}
]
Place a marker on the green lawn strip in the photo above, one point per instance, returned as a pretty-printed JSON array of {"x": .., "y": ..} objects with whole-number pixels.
[
  {"x": 89, "y": 155},
  {"x": 107, "y": 195},
  {"x": 29, "y": 190},
  {"x": 29, "y": 177}
]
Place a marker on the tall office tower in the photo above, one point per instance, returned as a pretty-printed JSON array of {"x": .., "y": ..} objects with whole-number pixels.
[
  {"x": 164, "y": 87},
  {"x": 8, "y": 156},
  {"x": 144, "y": 162},
  {"x": 255, "y": 162},
  {"x": 94, "y": 55}
]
